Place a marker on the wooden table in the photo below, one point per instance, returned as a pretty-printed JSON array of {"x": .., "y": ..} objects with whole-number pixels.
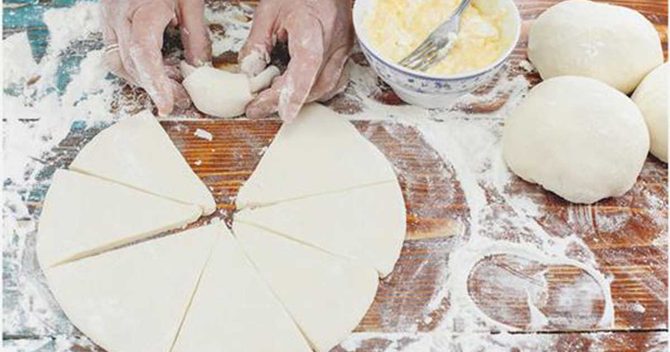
[{"x": 633, "y": 251}]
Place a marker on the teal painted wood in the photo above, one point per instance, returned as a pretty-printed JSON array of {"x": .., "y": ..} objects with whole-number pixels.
[{"x": 26, "y": 15}]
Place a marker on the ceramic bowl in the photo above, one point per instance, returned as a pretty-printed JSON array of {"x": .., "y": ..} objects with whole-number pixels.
[{"x": 436, "y": 91}]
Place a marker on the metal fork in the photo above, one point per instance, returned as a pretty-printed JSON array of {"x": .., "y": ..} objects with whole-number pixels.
[{"x": 438, "y": 43}]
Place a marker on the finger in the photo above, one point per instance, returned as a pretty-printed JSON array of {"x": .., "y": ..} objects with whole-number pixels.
[
  {"x": 122, "y": 33},
  {"x": 194, "y": 34},
  {"x": 289, "y": 91},
  {"x": 147, "y": 25},
  {"x": 181, "y": 98},
  {"x": 329, "y": 80},
  {"x": 306, "y": 49},
  {"x": 263, "y": 105},
  {"x": 112, "y": 56},
  {"x": 172, "y": 71},
  {"x": 262, "y": 29},
  {"x": 339, "y": 87},
  {"x": 113, "y": 63}
]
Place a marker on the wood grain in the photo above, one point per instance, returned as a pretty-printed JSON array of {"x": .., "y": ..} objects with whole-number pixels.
[{"x": 627, "y": 235}]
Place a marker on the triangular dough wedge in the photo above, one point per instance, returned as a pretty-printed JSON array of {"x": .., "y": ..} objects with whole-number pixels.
[
  {"x": 138, "y": 153},
  {"x": 234, "y": 310},
  {"x": 326, "y": 295},
  {"x": 319, "y": 152},
  {"x": 367, "y": 223},
  {"x": 134, "y": 298},
  {"x": 83, "y": 215}
]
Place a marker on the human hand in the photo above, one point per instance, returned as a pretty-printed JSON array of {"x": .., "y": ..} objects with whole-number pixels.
[
  {"x": 133, "y": 32},
  {"x": 320, "y": 36}
]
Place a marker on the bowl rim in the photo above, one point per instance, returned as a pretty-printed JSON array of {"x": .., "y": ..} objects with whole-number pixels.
[{"x": 418, "y": 74}]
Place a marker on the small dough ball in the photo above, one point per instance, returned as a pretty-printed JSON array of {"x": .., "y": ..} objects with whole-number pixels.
[
  {"x": 613, "y": 44},
  {"x": 216, "y": 92},
  {"x": 578, "y": 138},
  {"x": 651, "y": 96}
]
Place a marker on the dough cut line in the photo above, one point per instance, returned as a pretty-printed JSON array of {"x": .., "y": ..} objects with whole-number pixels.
[{"x": 319, "y": 241}]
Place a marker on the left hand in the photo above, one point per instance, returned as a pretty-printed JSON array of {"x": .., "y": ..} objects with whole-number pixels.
[
  {"x": 133, "y": 31},
  {"x": 320, "y": 36}
]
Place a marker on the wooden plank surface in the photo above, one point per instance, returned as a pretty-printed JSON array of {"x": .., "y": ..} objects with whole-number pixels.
[
  {"x": 625, "y": 234},
  {"x": 638, "y": 266},
  {"x": 569, "y": 342}
]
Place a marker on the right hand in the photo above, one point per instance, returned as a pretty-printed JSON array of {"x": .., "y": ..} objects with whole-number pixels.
[
  {"x": 136, "y": 27},
  {"x": 320, "y": 35}
]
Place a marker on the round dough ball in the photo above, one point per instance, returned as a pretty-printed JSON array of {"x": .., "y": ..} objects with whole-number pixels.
[
  {"x": 221, "y": 93},
  {"x": 613, "y": 44},
  {"x": 216, "y": 92},
  {"x": 578, "y": 138},
  {"x": 651, "y": 96}
]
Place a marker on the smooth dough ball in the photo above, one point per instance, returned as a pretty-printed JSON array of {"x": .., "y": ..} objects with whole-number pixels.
[
  {"x": 221, "y": 93},
  {"x": 613, "y": 44},
  {"x": 651, "y": 96},
  {"x": 216, "y": 92},
  {"x": 578, "y": 138}
]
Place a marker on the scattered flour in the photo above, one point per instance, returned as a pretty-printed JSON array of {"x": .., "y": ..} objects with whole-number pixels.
[
  {"x": 468, "y": 142},
  {"x": 18, "y": 65},
  {"x": 38, "y": 114},
  {"x": 67, "y": 25}
]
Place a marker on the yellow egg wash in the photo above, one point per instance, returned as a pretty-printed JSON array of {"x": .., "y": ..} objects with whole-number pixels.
[{"x": 396, "y": 27}]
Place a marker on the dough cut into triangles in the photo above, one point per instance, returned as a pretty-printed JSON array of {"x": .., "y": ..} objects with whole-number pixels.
[
  {"x": 137, "y": 152},
  {"x": 84, "y": 215},
  {"x": 319, "y": 152},
  {"x": 326, "y": 295},
  {"x": 234, "y": 310},
  {"x": 134, "y": 298},
  {"x": 366, "y": 223}
]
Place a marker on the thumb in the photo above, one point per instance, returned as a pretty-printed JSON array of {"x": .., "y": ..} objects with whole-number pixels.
[
  {"x": 148, "y": 25},
  {"x": 194, "y": 34},
  {"x": 260, "y": 39},
  {"x": 306, "y": 48}
]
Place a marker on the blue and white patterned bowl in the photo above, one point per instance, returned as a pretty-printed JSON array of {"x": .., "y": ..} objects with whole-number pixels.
[{"x": 436, "y": 91}]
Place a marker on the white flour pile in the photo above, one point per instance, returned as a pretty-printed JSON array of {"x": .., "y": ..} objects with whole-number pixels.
[{"x": 38, "y": 117}]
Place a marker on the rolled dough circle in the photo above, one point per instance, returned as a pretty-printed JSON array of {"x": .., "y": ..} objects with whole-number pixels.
[
  {"x": 613, "y": 44},
  {"x": 651, "y": 96},
  {"x": 301, "y": 266},
  {"x": 578, "y": 138}
]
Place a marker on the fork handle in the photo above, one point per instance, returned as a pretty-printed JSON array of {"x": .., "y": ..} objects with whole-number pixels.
[{"x": 461, "y": 7}]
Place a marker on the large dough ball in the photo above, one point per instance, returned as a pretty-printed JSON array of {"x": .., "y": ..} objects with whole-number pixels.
[
  {"x": 613, "y": 44},
  {"x": 578, "y": 138},
  {"x": 652, "y": 99}
]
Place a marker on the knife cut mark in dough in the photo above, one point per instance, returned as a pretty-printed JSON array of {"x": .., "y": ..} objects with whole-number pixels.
[
  {"x": 232, "y": 305},
  {"x": 137, "y": 152},
  {"x": 326, "y": 295},
  {"x": 84, "y": 215},
  {"x": 320, "y": 152},
  {"x": 367, "y": 223},
  {"x": 134, "y": 298}
]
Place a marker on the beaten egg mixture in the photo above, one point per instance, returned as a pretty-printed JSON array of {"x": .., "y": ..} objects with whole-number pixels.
[{"x": 397, "y": 27}]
